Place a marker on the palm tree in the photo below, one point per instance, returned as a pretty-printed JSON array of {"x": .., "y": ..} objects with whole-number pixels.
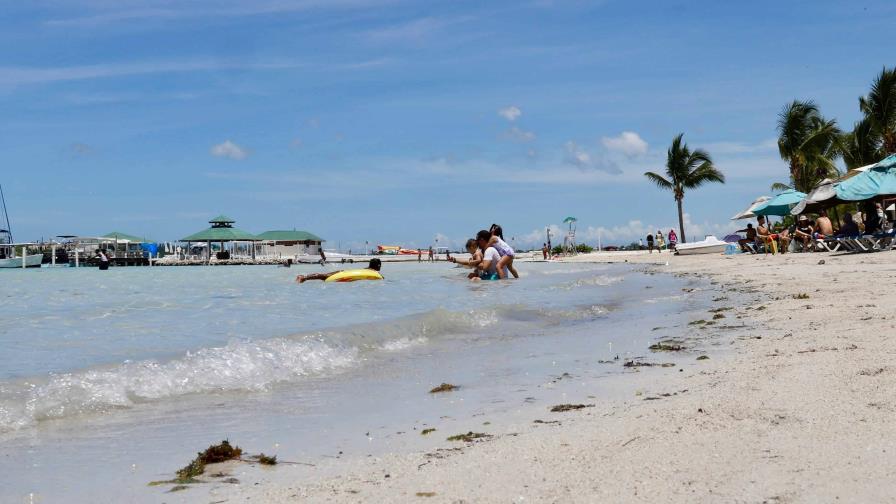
[
  {"x": 880, "y": 108},
  {"x": 685, "y": 170},
  {"x": 861, "y": 146},
  {"x": 808, "y": 142}
]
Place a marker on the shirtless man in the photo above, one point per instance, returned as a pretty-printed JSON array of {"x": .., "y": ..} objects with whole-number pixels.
[
  {"x": 823, "y": 226},
  {"x": 751, "y": 238}
]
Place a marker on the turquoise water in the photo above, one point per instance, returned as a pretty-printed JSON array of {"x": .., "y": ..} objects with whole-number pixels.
[{"x": 159, "y": 354}]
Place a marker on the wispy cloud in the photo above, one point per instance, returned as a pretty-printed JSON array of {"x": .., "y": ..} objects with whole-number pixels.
[
  {"x": 519, "y": 135},
  {"x": 17, "y": 76},
  {"x": 106, "y": 13},
  {"x": 511, "y": 113},
  {"x": 21, "y": 76},
  {"x": 578, "y": 156},
  {"x": 414, "y": 30},
  {"x": 229, "y": 150},
  {"x": 766, "y": 146}
]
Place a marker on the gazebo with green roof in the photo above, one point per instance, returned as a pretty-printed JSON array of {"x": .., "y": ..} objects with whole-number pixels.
[{"x": 223, "y": 232}]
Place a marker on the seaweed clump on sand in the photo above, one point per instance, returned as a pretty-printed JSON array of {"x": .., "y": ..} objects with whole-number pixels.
[
  {"x": 635, "y": 364},
  {"x": 428, "y": 431},
  {"x": 666, "y": 346},
  {"x": 212, "y": 455},
  {"x": 569, "y": 407},
  {"x": 801, "y": 295},
  {"x": 445, "y": 387},
  {"x": 469, "y": 437},
  {"x": 266, "y": 459}
]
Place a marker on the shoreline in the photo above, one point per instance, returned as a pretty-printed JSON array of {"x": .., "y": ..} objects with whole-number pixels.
[{"x": 775, "y": 420}]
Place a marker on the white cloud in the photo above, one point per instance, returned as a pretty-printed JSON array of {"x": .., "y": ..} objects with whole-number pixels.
[
  {"x": 519, "y": 135},
  {"x": 576, "y": 155},
  {"x": 230, "y": 150},
  {"x": 511, "y": 113},
  {"x": 627, "y": 143},
  {"x": 296, "y": 143}
]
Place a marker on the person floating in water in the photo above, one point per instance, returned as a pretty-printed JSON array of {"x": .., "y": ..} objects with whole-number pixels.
[{"x": 374, "y": 265}]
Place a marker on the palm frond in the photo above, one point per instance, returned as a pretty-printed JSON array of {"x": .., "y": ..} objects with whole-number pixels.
[{"x": 658, "y": 180}]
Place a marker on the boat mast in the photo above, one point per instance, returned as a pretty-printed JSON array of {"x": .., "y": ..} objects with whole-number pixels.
[{"x": 3, "y": 199}]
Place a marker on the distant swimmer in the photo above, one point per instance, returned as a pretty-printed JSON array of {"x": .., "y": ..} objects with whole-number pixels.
[{"x": 372, "y": 272}]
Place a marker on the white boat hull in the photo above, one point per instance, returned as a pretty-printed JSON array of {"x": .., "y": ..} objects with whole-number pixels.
[
  {"x": 711, "y": 245},
  {"x": 707, "y": 249},
  {"x": 31, "y": 261}
]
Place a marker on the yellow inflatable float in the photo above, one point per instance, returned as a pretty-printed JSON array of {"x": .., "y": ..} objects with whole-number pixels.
[{"x": 353, "y": 275}]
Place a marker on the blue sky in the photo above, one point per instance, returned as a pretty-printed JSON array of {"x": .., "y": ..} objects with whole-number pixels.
[{"x": 397, "y": 122}]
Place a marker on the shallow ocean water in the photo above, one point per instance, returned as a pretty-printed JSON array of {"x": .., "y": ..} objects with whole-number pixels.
[{"x": 106, "y": 374}]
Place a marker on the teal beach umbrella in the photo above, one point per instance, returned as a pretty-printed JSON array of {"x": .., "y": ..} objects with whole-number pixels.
[
  {"x": 781, "y": 204},
  {"x": 878, "y": 180}
]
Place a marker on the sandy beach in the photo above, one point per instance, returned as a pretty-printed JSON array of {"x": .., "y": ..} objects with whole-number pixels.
[{"x": 797, "y": 407}]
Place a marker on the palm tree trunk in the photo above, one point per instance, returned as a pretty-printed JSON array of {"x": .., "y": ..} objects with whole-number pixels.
[{"x": 681, "y": 221}]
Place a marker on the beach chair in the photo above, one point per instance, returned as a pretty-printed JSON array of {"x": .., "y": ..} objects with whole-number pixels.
[{"x": 827, "y": 244}]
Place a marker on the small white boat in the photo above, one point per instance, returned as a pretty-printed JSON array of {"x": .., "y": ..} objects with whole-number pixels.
[
  {"x": 8, "y": 258},
  {"x": 29, "y": 260},
  {"x": 710, "y": 245}
]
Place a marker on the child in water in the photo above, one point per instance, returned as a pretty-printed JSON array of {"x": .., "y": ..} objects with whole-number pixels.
[
  {"x": 475, "y": 258},
  {"x": 504, "y": 250}
]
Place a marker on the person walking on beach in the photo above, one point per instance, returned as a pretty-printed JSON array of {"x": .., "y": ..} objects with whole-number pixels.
[
  {"x": 544, "y": 251},
  {"x": 431, "y": 259},
  {"x": 660, "y": 242},
  {"x": 650, "y": 242},
  {"x": 673, "y": 239}
]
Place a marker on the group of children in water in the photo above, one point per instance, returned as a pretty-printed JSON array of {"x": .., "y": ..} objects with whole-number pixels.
[{"x": 490, "y": 256}]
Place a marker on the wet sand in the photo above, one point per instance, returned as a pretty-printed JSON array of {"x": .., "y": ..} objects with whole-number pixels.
[{"x": 798, "y": 408}]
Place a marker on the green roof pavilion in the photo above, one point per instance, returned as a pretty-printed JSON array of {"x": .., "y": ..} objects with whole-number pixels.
[
  {"x": 222, "y": 230},
  {"x": 116, "y": 235},
  {"x": 289, "y": 236}
]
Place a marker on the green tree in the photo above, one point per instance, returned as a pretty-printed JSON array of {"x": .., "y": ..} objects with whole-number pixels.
[
  {"x": 861, "y": 146},
  {"x": 685, "y": 170},
  {"x": 879, "y": 107},
  {"x": 808, "y": 142}
]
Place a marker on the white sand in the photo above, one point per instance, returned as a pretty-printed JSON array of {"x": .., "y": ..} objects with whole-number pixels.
[{"x": 804, "y": 414}]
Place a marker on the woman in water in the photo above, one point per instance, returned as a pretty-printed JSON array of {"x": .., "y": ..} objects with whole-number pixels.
[{"x": 504, "y": 250}]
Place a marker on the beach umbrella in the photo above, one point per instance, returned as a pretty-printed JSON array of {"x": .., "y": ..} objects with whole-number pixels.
[
  {"x": 781, "y": 204},
  {"x": 880, "y": 179},
  {"x": 748, "y": 213}
]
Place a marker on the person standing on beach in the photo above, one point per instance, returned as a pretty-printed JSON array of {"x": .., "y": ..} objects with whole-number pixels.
[
  {"x": 544, "y": 251},
  {"x": 650, "y": 242},
  {"x": 673, "y": 239},
  {"x": 431, "y": 259},
  {"x": 419, "y": 255},
  {"x": 640, "y": 244},
  {"x": 660, "y": 241},
  {"x": 323, "y": 257}
]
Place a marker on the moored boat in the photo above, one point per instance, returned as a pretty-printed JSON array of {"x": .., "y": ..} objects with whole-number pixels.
[{"x": 709, "y": 245}]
